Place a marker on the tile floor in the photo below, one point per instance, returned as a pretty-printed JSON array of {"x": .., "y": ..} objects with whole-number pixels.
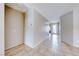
[
  {"x": 44, "y": 49},
  {"x": 69, "y": 50}
]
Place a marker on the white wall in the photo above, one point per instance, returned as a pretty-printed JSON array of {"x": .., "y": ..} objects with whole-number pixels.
[
  {"x": 67, "y": 28},
  {"x": 13, "y": 28},
  {"x": 76, "y": 26},
  {"x": 1, "y": 29},
  {"x": 34, "y": 30},
  {"x": 72, "y": 23},
  {"x": 39, "y": 24},
  {"x": 28, "y": 28}
]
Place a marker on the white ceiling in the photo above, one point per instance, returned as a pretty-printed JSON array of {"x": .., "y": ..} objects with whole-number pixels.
[
  {"x": 53, "y": 11},
  {"x": 17, "y": 6}
]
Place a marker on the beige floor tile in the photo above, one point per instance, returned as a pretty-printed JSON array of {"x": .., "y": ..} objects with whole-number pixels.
[{"x": 44, "y": 49}]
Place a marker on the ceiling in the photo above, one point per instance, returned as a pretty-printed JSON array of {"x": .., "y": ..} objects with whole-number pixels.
[
  {"x": 53, "y": 11},
  {"x": 17, "y": 6}
]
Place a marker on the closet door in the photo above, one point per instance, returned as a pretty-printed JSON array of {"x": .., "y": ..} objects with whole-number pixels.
[{"x": 13, "y": 27}]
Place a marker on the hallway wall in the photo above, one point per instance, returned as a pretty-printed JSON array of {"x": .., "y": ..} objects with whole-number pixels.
[
  {"x": 70, "y": 22},
  {"x": 76, "y": 26},
  {"x": 34, "y": 28},
  {"x": 28, "y": 37},
  {"x": 67, "y": 28},
  {"x": 13, "y": 27},
  {"x": 39, "y": 33},
  {"x": 1, "y": 29}
]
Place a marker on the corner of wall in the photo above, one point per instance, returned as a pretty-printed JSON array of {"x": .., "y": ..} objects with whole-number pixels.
[{"x": 1, "y": 28}]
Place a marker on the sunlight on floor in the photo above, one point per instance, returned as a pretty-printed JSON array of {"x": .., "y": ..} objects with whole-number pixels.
[{"x": 55, "y": 41}]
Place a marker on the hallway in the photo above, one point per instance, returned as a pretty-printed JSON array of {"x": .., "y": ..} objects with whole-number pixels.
[{"x": 29, "y": 33}]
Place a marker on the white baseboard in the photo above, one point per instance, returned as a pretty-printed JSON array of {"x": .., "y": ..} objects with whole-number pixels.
[
  {"x": 38, "y": 43},
  {"x": 33, "y": 46}
]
